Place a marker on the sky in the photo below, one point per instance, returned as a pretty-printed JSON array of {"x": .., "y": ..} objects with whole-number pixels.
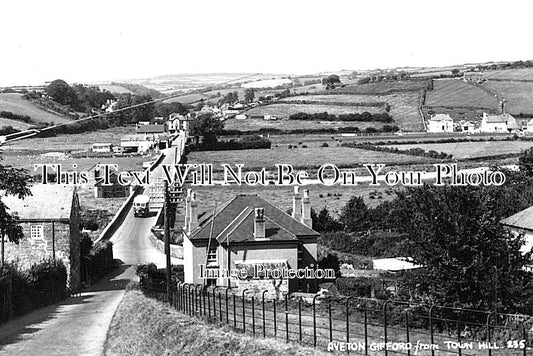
[{"x": 92, "y": 41}]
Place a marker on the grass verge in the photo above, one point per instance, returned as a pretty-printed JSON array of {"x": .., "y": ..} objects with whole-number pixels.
[{"x": 143, "y": 326}]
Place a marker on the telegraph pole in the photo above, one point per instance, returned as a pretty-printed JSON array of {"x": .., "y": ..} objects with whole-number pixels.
[{"x": 166, "y": 212}]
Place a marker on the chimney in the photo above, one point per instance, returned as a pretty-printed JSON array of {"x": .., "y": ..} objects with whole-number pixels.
[
  {"x": 297, "y": 204},
  {"x": 306, "y": 210},
  {"x": 259, "y": 224},
  {"x": 187, "y": 208},
  {"x": 193, "y": 213}
]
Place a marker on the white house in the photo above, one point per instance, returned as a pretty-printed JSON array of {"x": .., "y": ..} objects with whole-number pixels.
[
  {"x": 468, "y": 126},
  {"x": 102, "y": 147},
  {"x": 530, "y": 126},
  {"x": 440, "y": 123},
  {"x": 498, "y": 123},
  {"x": 522, "y": 222}
]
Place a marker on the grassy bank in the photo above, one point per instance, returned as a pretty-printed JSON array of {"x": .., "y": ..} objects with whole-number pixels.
[{"x": 142, "y": 326}]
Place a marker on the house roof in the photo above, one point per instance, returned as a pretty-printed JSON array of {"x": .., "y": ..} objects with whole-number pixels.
[
  {"x": 441, "y": 117},
  {"x": 235, "y": 220},
  {"x": 151, "y": 129},
  {"x": 522, "y": 220},
  {"x": 47, "y": 202},
  {"x": 503, "y": 118}
]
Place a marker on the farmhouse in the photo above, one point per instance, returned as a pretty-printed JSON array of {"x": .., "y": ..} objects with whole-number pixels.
[
  {"x": 498, "y": 123},
  {"x": 521, "y": 222},
  {"x": 50, "y": 220},
  {"x": 102, "y": 147},
  {"x": 150, "y": 132},
  {"x": 112, "y": 190},
  {"x": 440, "y": 123},
  {"x": 468, "y": 126},
  {"x": 248, "y": 233},
  {"x": 177, "y": 122}
]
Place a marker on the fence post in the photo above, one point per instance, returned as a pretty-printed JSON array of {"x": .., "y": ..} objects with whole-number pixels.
[
  {"x": 243, "y": 311},
  {"x": 330, "y": 320},
  {"x": 385, "y": 324},
  {"x": 253, "y": 315},
  {"x": 366, "y": 331},
  {"x": 198, "y": 300},
  {"x": 431, "y": 328},
  {"x": 263, "y": 302},
  {"x": 209, "y": 304},
  {"x": 488, "y": 330},
  {"x": 300, "y": 317},
  {"x": 215, "y": 302},
  {"x": 348, "y": 319},
  {"x": 287, "y": 316},
  {"x": 458, "y": 333},
  {"x": 407, "y": 329},
  {"x": 234, "y": 312},
  {"x": 227, "y": 310},
  {"x": 275, "y": 318},
  {"x": 314, "y": 320}
]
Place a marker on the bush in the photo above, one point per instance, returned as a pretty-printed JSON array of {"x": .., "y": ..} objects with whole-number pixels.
[
  {"x": 324, "y": 145},
  {"x": 356, "y": 287},
  {"x": 42, "y": 284}
]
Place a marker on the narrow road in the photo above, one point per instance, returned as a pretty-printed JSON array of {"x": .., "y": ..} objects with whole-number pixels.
[{"x": 78, "y": 325}]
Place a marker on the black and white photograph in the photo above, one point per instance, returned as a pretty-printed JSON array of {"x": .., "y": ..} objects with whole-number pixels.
[{"x": 302, "y": 178}]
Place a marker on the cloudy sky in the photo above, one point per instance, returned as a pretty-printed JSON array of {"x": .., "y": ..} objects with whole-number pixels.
[{"x": 97, "y": 40}]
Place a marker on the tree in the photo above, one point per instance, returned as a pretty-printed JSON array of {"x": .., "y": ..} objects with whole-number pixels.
[
  {"x": 330, "y": 81},
  {"x": 13, "y": 181},
  {"x": 525, "y": 162},
  {"x": 330, "y": 261},
  {"x": 355, "y": 215},
  {"x": 61, "y": 92},
  {"x": 207, "y": 126},
  {"x": 323, "y": 221},
  {"x": 249, "y": 95},
  {"x": 468, "y": 257}
]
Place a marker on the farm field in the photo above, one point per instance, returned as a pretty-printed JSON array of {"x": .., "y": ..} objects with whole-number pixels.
[
  {"x": 510, "y": 74},
  {"x": 16, "y": 104},
  {"x": 256, "y": 124},
  {"x": 403, "y": 106},
  {"x": 13, "y": 123},
  {"x": 334, "y": 197},
  {"x": 115, "y": 89},
  {"x": 28, "y": 161},
  {"x": 70, "y": 142},
  {"x": 456, "y": 93},
  {"x": 383, "y": 87},
  {"x": 519, "y": 95},
  {"x": 471, "y": 149},
  {"x": 313, "y": 156},
  {"x": 285, "y": 110}
]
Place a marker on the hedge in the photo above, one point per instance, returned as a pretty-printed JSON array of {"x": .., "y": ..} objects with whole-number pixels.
[{"x": 42, "y": 284}]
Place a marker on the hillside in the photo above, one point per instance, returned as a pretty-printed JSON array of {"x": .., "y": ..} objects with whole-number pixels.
[
  {"x": 17, "y": 105},
  {"x": 143, "y": 326}
]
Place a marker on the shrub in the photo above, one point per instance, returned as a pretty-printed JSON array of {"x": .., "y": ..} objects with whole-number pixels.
[{"x": 324, "y": 145}]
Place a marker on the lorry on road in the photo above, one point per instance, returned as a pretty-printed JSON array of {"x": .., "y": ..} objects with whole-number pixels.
[{"x": 141, "y": 206}]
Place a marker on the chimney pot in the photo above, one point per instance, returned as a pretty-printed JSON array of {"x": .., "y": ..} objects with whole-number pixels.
[{"x": 297, "y": 204}]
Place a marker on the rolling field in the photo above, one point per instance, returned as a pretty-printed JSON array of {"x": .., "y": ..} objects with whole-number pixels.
[
  {"x": 15, "y": 124},
  {"x": 285, "y": 110},
  {"x": 71, "y": 142},
  {"x": 383, "y": 87},
  {"x": 519, "y": 95},
  {"x": 510, "y": 74},
  {"x": 471, "y": 149},
  {"x": 16, "y": 104},
  {"x": 334, "y": 197},
  {"x": 256, "y": 124},
  {"x": 457, "y": 93},
  {"x": 115, "y": 89},
  {"x": 312, "y": 156},
  {"x": 403, "y": 106}
]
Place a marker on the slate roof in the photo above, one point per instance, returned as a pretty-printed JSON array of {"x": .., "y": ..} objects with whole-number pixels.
[
  {"x": 441, "y": 117},
  {"x": 235, "y": 220},
  {"x": 522, "y": 220},
  {"x": 151, "y": 129},
  {"x": 47, "y": 202}
]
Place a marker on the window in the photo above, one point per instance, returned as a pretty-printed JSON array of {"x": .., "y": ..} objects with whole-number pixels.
[
  {"x": 212, "y": 255},
  {"x": 36, "y": 232}
]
